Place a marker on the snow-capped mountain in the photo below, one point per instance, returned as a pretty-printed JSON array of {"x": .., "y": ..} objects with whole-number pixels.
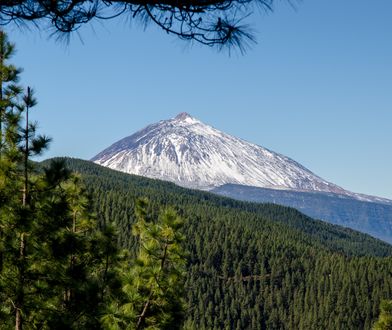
[{"x": 195, "y": 155}]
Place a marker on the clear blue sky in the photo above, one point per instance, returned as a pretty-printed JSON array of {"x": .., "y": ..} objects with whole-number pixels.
[{"x": 317, "y": 87}]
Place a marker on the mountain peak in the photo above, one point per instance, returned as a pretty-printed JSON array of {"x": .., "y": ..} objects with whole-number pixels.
[
  {"x": 185, "y": 119},
  {"x": 183, "y": 116}
]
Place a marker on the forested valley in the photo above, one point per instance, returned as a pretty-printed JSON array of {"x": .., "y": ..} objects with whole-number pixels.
[{"x": 254, "y": 266}]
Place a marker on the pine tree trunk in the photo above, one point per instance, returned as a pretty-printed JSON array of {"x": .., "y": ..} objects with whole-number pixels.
[
  {"x": 69, "y": 293},
  {"x": 143, "y": 314},
  {"x": 20, "y": 298},
  {"x": 26, "y": 156},
  {"x": 148, "y": 302},
  {"x": 18, "y": 323}
]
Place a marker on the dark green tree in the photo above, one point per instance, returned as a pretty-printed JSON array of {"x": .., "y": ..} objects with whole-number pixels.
[{"x": 16, "y": 221}]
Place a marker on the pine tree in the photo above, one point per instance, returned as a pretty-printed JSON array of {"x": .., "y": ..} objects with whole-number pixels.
[
  {"x": 9, "y": 93},
  {"x": 16, "y": 220},
  {"x": 153, "y": 284}
]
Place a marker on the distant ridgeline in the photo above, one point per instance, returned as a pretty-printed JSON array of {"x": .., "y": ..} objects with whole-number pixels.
[
  {"x": 255, "y": 266},
  {"x": 368, "y": 217}
]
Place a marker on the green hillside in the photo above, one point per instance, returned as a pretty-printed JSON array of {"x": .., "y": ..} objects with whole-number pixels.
[{"x": 255, "y": 266}]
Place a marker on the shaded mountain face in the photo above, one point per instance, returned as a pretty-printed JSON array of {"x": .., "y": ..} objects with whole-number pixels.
[
  {"x": 192, "y": 154},
  {"x": 368, "y": 217}
]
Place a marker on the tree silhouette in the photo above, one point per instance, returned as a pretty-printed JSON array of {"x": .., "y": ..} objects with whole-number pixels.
[{"x": 210, "y": 22}]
